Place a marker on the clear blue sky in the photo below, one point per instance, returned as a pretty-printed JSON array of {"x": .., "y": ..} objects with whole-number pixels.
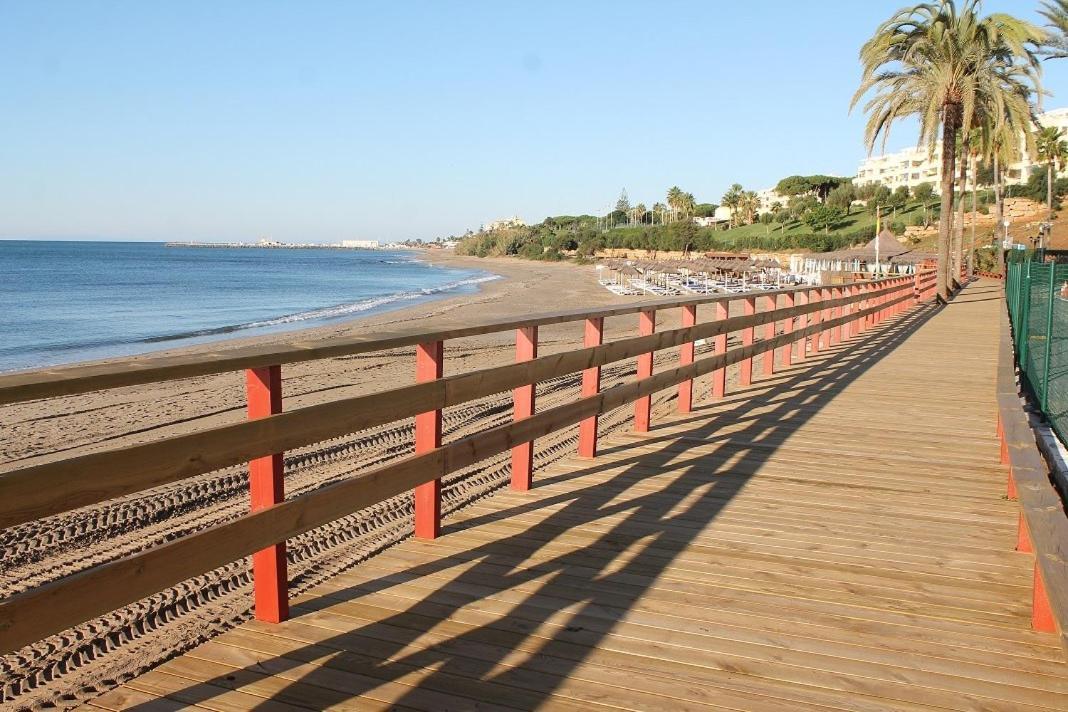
[{"x": 332, "y": 120}]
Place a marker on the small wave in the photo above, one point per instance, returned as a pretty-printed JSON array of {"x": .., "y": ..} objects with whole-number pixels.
[{"x": 328, "y": 313}]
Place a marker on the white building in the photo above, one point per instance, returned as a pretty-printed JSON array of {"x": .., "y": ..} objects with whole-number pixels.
[
  {"x": 514, "y": 221},
  {"x": 916, "y": 165},
  {"x": 361, "y": 244}
]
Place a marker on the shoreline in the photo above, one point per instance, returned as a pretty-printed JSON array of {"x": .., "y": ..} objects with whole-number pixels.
[{"x": 505, "y": 276}]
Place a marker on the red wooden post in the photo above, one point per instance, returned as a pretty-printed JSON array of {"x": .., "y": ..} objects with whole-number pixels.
[
  {"x": 429, "y": 366},
  {"x": 802, "y": 324},
  {"x": 263, "y": 387},
  {"x": 745, "y": 375},
  {"x": 1041, "y": 613},
  {"x": 643, "y": 406},
  {"x": 689, "y": 318},
  {"x": 769, "y": 333},
  {"x": 1023, "y": 537},
  {"x": 591, "y": 385},
  {"x": 788, "y": 328},
  {"x": 719, "y": 342},
  {"x": 814, "y": 296},
  {"x": 825, "y": 315},
  {"x": 526, "y": 349},
  {"x": 837, "y": 336}
]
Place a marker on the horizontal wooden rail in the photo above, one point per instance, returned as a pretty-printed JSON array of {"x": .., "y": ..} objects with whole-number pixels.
[
  {"x": 42, "y": 490},
  {"x": 1043, "y": 528},
  {"x": 71, "y": 380},
  {"x": 34, "y": 614}
]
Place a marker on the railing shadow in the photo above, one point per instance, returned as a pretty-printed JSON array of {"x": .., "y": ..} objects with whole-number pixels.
[{"x": 571, "y": 598}]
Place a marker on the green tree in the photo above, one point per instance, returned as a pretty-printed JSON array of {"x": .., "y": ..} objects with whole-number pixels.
[
  {"x": 941, "y": 61},
  {"x": 732, "y": 199},
  {"x": 1056, "y": 12},
  {"x": 842, "y": 197},
  {"x": 623, "y": 204},
  {"x": 1052, "y": 150},
  {"x": 823, "y": 217}
]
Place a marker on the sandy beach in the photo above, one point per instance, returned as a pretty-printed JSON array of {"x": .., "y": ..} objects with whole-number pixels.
[{"x": 95, "y": 656}]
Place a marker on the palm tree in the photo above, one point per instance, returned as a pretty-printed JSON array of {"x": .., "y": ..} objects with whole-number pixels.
[
  {"x": 674, "y": 199},
  {"x": 941, "y": 63},
  {"x": 659, "y": 209},
  {"x": 1056, "y": 11},
  {"x": 732, "y": 199},
  {"x": 1052, "y": 149}
]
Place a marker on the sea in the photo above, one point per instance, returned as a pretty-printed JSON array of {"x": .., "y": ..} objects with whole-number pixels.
[{"x": 65, "y": 302}]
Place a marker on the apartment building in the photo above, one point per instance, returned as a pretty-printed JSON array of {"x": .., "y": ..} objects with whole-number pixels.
[{"x": 916, "y": 165}]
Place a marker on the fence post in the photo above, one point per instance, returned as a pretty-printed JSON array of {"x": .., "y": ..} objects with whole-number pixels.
[
  {"x": 836, "y": 336},
  {"x": 526, "y": 349},
  {"x": 1049, "y": 335},
  {"x": 643, "y": 406},
  {"x": 788, "y": 328},
  {"x": 814, "y": 296},
  {"x": 263, "y": 388},
  {"x": 591, "y": 385},
  {"x": 685, "y": 402},
  {"x": 825, "y": 315},
  {"x": 1041, "y": 613},
  {"x": 429, "y": 366},
  {"x": 719, "y": 342},
  {"x": 745, "y": 376},
  {"x": 769, "y": 333},
  {"x": 802, "y": 324}
]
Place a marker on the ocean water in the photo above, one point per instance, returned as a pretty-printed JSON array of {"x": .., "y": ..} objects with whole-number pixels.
[{"x": 63, "y": 302}]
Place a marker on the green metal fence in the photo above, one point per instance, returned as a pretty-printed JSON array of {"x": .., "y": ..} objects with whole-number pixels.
[{"x": 1039, "y": 318}]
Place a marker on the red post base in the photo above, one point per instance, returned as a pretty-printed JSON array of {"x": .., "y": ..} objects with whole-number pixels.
[
  {"x": 686, "y": 352},
  {"x": 643, "y": 406},
  {"x": 266, "y": 488},
  {"x": 526, "y": 349},
  {"x": 429, "y": 366},
  {"x": 1041, "y": 614},
  {"x": 591, "y": 385},
  {"x": 769, "y": 333}
]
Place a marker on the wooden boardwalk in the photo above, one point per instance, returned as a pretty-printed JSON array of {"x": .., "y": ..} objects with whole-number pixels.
[{"x": 835, "y": 537}]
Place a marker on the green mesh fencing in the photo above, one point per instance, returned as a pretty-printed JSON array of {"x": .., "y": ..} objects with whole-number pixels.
[{"x": 1039, "y": 316}]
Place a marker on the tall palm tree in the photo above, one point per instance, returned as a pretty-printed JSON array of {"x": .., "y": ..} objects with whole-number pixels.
[
  {"x": 937, "y": 61},
  {"x": 732, "y": 199},
  {"x": 1056, "y": 12},
  {"x": 674, "y": 199},
  {"x": 659, "y": 209},
  {"x": 1052, "y": 150}
]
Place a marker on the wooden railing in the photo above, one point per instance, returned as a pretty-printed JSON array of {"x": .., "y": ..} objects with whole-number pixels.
[
  {"x": 815, "y": 318},
  {"x": 1043, "y": 525}
]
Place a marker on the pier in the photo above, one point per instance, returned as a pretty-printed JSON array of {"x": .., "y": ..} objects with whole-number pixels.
[{"x": 862, "y": 523}]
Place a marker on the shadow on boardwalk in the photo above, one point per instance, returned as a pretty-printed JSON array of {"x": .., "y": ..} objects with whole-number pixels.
[{"x": 655, "y": 527}]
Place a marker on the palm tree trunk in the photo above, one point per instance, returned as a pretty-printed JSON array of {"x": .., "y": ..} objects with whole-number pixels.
[
  {"x": 1049, "y": 190},
  {"x": 950, "y": 118},
  {"x": 975, "y": 214},
  {"x": 958, "y": 225},
  {"x": 998, "y": 212}
]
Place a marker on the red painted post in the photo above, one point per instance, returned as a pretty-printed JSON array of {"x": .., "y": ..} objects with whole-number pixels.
[
  {"x": 745, "y": 375},
  {"x": 853, "y": 328},
  {"x": 591, "y": 385},
  {"x": 769, "y": 333},
  {"x": 836, "y": 331},
  {"x": 1010, "y": 488},
  {"x": 1041, "y": 613},
  {"x": 814, "y": 296},
  {"x": 788, "y": 328},
  {"x": 689, "y": 318},
  {"x": 263, "y": 388},
  {"x": 526, "y": 349},
  {"x": 719, "y": 342},
  {"x": 1023, "y": 537},
  {"x": 429, "y": 366},
  {"x": 802, "y": 324},
  {"x": 825, "y": 315},
  {"x": 643, "y": 406}
]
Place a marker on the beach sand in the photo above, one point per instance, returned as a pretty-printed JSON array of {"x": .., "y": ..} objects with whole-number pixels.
[{"x": 81, "y": 663}]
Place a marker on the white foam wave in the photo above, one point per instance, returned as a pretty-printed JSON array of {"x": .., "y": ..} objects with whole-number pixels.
[{"x": 367, "y": 304}]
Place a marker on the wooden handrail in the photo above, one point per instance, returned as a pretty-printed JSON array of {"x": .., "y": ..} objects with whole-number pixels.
[
  {"x": 71, "y": 380},
  {"x": 42, "y": 490},
  {"x": 55, "y": 487},
  {"x": 1043, "y": 524}
]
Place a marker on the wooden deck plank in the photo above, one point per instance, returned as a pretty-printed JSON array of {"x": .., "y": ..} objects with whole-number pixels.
[{"x": 834, "y": 538}]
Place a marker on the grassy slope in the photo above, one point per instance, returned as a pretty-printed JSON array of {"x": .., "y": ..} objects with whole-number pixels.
[{"x": 858, "y": 218}]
